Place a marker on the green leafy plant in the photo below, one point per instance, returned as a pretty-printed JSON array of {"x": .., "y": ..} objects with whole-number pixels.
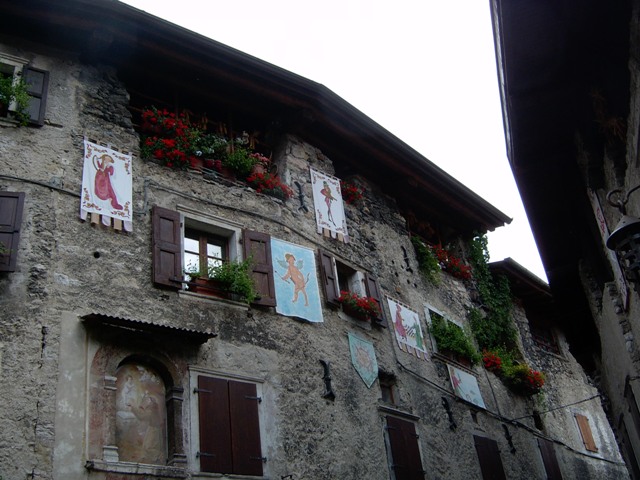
[
  {"x": 427, "y": 261},
  {"x": 240, "y": 161},
  {"x": 235, "y": 277},
  {"x": 210, "y": 145},
  {"x": 515, "y": 374},
  {"x": 495, "y": 329},
  {"x": 450, "y": 337},
  {"x": 522, "y": 379},
  {"x": 231, "y": 277},
  {"x": 14, "y": 91}
]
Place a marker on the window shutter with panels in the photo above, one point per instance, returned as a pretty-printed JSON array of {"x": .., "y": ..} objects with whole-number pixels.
[
  {"x": 245, "y": 428},
  {"x": 489, "y": 458},
  {"x": 549, "y": 459},
  {"x": 373, "y": 291},
  {"x": 257, "y": 246},
  {"x": 215, "y": 428},
  {"x": 585, "y": 431},
  {"x": 405, "y": 452},
  {"x": 329, "y": 278},
  {"x": 11, "y": 206},
  {"x": 37, "y": 85},
  {"x": 167, "y": 254}
]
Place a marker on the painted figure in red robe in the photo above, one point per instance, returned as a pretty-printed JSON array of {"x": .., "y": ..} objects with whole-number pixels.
[
  {"x": 328, "y": 198},
  {"x": 104, "y": 171},
  {"x": 399, "y": 326}
]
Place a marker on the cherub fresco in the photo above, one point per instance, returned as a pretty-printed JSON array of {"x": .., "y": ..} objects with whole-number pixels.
[{"x": 294, "y": 273}]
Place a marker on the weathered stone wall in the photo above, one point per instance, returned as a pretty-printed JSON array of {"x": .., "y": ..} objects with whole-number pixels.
[
  {"x": 619, "y": 326},
  {"x": 68, "y": 269}
]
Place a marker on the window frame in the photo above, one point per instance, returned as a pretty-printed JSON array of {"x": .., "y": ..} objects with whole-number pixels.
[
  {"x": 334, "y": 271},
  {"x": 11, "y": 210},
  {"x": 193, "y": 460},
  {"x": 38, "y": 96},
  {"x": 168, "y": 227}
]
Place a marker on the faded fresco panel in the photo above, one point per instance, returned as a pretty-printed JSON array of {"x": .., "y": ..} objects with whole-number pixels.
[{"x": 140, "y": 415}]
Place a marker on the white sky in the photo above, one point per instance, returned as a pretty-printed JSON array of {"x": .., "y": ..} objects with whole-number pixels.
[{"x": 423, "y": 69}]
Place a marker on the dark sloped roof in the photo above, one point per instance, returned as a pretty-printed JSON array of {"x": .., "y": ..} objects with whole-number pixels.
[
  {"x": 187, "y": 334},
  {"x": 141, "y": 45}
]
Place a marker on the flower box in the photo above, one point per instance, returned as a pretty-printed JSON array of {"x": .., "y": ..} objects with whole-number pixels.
[{"x": 361, "y": 308}]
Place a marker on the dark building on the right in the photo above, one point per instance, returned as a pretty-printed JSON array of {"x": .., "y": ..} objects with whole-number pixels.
[{"x": 569, "y": 73}]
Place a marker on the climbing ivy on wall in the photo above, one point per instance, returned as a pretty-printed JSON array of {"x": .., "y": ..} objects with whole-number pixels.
[{"x": 495, "y": 329}]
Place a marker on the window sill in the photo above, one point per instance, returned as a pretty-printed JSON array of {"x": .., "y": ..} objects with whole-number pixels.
[
  {"x": 365, "y": 324},
  {"x": 227, "y": 476},
  {"x": 7, "y": 122},
  {"x": 447, "y": 359},
  {"x": 136, "y": 469},
  {"x": 212, "y": 299}
]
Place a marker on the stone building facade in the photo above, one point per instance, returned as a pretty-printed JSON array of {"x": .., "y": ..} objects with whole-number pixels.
[
  {"x": 114, "y": 367},
  {"x": 572, "y": 121}
]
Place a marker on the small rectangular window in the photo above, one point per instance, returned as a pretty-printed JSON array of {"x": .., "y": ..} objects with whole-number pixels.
[
  {"x": 585, "y": 432},
  {"x": 406, "y": 462},
  {"x": 489, "y": 458},
  {"x": 229, "y": 426},
  {"x": 337, "y": 276},
  {"x": 27, "y": 87},
  {"x": 544, "y": 338},
  {"x": 11, "y": 205},
  {"x": 387, "y": 387}
]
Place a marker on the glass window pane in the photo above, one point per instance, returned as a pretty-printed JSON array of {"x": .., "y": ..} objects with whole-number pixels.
[
  {"x": 214, "y": 250},
  {"x": 191, "y": 245},
  {"x": 191, "y": 261},
  {"x": 214, "y": 262}
]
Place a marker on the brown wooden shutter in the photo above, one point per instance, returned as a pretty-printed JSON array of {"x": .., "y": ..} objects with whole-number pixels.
[
  {"x": 37, "y": 85},
  {"x": 245, "y": 428},
  {"x": 11, "y": 206},
  {"x": 329, "y": 281},
  {"x": 215, "y": 428},
  {"x": 489, "y": 457},
  {"x": 258, "y": 246},
  {"x": 549, "y": 459},
  {"x": 585, "y": 431},
  {"x": 167, "y": 254},
  {"x": 373, "y": 291},
  {"x": 405, "y": 452}
]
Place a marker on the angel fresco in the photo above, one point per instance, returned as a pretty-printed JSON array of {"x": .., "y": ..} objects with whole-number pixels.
[{"x": 294, "y": 272}]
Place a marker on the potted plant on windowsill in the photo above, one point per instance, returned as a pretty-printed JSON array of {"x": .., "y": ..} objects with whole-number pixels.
[
  {"x": 361, "y": 308},
  {"x": 228, "y": 280}
]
